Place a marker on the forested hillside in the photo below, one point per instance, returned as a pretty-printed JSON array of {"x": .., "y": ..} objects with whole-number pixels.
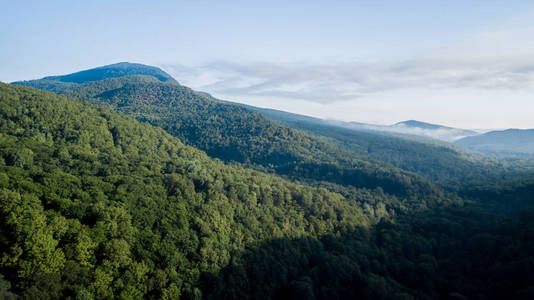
[
  {"x": 95, "y": 205},
  {"x": 92, "y": 202},
  {"x": 234, "y": 133},
  {"x": 315, "y": 151},
  {"x": 305, "y": 149},
  {"x": 438, "y": 161}
]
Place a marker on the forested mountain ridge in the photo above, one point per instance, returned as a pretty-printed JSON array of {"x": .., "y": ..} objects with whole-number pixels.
[
  {"x": 64, "y": 82},
  {"x": 506, "y": 182},
  {"x": 306, "y": 149},
  {"x": 95, "y": 205},
  {"x": 406, "y": 129},
  {"x": 506, "y": 142},
  {"x": 439, "y": 162},
  {"x": 93, "y": 202},
  {"x": 237, "y": 134}
]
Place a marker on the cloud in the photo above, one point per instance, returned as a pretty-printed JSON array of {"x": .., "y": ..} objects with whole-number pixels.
[
  {"x": 325, "y": 83},
  {"x": 500, "y": 59}
]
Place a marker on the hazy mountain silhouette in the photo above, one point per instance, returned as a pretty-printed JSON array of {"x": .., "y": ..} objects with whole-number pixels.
[{"x": 510, "y": 141}]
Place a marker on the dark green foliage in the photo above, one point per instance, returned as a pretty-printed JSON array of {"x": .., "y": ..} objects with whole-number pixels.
[
  {"x": 237, "y": 134},
  {"x": 453, "y": 253},
  {"x": 5, "y": 287},
  {"x": 95, "y": 203},
  {"x": 469, "y": 174},
  {"x": 438, "y": 161}
]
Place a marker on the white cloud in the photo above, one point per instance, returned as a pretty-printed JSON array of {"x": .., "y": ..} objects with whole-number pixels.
[
  {"x": 483, "y": 80},
  {"x": 326, "y": 83}
]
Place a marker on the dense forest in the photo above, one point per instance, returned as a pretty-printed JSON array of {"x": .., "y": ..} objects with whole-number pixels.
[
  {"x": 416, "y": 171},
  {"x": 443, "y": 163},
  {"x": 290, "y": 145},
  {"x": 93, "y": 202},
  {"x": 236, "y": 134},
  {"x": 99, "y": 205},
  {"x": 435, "y": 160}
]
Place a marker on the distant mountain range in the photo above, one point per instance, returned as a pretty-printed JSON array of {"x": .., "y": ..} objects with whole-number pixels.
[
  {"x": 510, "y": 141},
  {"x": 413, "y": 127},
  {"x": 502, "y": 142}
]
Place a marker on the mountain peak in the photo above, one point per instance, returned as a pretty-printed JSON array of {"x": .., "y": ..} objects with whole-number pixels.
[
  {"x": 114, "y": 70},
  {"x": 419, "y": 124},
  {"x": 99, "y": 73}
]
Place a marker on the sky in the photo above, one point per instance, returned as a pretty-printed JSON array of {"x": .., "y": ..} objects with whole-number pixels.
[{"x": 466, "y": 64}]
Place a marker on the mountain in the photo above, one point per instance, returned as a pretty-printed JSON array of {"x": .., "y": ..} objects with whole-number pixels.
[
  {"x": 234, "y": 133},
  {"x": 436, "y": 160},
  {"x": 407, "y": 130},
  {"x": 415, "y": 128},
  {"x": 96, "y": 205},
  {"x": 439, "y": 132},
  {"x": 92, "y": 202},
  {"x": 64, "y": 82},
  {"x": 421, "y": 125},
  {"x": 510, "y": 141}
]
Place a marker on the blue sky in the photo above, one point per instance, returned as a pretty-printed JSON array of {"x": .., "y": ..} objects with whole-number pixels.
[{"x": 460, "y": 63}]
